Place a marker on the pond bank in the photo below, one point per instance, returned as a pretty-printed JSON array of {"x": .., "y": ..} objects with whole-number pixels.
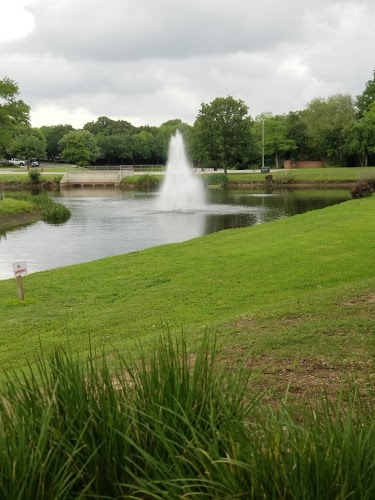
[
  {"x": 19, "y": 186},
  {"x": 292, "y": 185},
  {"x": 20, "y": 219}
]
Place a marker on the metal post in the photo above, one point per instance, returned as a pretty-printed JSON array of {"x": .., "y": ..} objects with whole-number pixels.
[{"x": 262, "y": 143}]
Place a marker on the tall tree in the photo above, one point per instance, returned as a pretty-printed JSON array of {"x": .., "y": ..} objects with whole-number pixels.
[
  {"x": 144, "y": 147},
  {"x": 79, "y": 147},
  {"x": 221, "y": 133},
  {"x": 359, "y": 137},
  {"x": 296, "y": 131},
  {"x": 107, "y": 126},
  {"x": 276, "y": 141},
  {"x": 29, "y": 143},
  {"x": 13, "y": 112},
  {"x": 325, "y": 121},
  {"x": 117, "y": 148},
  {"x": 53, "y": 134},
  {"x": 166, "y": 131},
  {"x": 367, "y": 98}
]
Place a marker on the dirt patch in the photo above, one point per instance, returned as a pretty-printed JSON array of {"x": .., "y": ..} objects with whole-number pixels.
[
  {"x": 304, "y": 378},
  {"x": 369, "y": 298},
  {"x": 248, "y": 323},
  {"x": 20, "y": 186}
]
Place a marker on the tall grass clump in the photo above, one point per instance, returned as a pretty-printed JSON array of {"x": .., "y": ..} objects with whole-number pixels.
[
  {"x": 217, "y": 180},
  {"x": 52, "y": 211},
  {"x": 146, "y": 181},
  {"x": 173, "y": 425}
]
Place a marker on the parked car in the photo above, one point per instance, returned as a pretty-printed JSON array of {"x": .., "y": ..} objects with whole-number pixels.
[
  {"x": 16, "y": 161},
  {"x": 34, "y": 163}
]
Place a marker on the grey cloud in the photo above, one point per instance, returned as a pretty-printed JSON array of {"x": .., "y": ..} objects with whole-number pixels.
[
  {"x": 147, "y": 62},
  {"x": 128, "y": 30}
]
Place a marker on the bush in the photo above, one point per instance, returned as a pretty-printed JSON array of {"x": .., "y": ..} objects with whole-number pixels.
[
  {"x": 287, "y": 178},
  {"x": 148, "y": 181},
  {"x": 34, "y": 176},
  {"x": 220, "y": 180},
  {"x": 365, "y": 187}
]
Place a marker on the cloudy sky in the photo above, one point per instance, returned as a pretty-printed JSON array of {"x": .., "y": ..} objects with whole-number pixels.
[{"x": 148, "y": 61}]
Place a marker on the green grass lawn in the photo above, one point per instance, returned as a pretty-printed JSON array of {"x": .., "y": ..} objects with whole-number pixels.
[
  {"x": 316, "y": 175},
  {"x": 298, "y": 293},
  {"x": 10, "y": 206},
  {"x": 25, "y": 179}
]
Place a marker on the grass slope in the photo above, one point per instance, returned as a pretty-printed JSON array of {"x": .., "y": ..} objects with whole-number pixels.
[
  {"x": 313, "y": 175},
  {"x": 10, "y": 206},
  {"x": 298, "y": 292}
]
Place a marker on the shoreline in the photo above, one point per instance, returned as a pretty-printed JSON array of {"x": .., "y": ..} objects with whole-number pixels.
[{"x": 20, "y": 219}]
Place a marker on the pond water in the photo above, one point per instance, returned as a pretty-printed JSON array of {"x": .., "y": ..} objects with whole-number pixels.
[{"x": 109, "y": 221}]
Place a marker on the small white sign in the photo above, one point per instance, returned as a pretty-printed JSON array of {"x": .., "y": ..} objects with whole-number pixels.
[{"x": 19, "y": 269}]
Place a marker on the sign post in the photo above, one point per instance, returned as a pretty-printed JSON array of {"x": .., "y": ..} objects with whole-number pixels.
[{"x": 20, "y": 269}]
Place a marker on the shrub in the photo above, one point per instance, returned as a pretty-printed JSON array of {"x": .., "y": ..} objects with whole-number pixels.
[
  {"x": 148, "y": 181},
  {"x": 34, "y": 176},
  {"x": 365, "y": 187},
  {"x": 287, "y": 178},
  {"x": 217, "y": 179}
]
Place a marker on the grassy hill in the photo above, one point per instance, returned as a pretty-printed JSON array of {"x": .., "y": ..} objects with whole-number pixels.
[
  {"x": 186, "y": 418},
  {"x": 298, "y": 293}
]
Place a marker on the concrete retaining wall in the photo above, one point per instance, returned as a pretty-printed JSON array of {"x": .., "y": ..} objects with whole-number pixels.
[{"x": 92, "y": 179}]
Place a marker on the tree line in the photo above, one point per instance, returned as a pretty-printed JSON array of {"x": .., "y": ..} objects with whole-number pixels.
[{"x": 339, "y": 130}]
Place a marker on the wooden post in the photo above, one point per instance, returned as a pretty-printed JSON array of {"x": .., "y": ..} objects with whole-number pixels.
[{"x": 21, "y": 294}]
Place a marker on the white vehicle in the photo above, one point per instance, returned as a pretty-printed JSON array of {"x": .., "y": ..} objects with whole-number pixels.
[{"x": 16, "y": 161}]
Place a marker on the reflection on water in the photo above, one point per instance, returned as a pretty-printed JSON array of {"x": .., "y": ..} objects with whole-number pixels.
[
  {"x": 181, "y": 226},
  {"x": 109, "y": 221}
]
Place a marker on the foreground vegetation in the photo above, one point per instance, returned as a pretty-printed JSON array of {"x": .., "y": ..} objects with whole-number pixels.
[
  {"x": 171, "y": 426},
  {"x": 20, "y": 203}
]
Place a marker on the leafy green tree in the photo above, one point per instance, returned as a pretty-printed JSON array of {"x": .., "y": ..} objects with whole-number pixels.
[
  {"x": 296, "y": 132},
  {"x": 164, "y": 134},
  {"x": 367, "y": 98},
  {"x": 359, "y": 137},
  {"x": 13, "y": 112},
  {"x": 106, "y": 126},
  {"x": 79, "y": 147},
  {"x": 325, "y": 120},
  {"x": 276, "y": 141},
  {"x": 53, "y": 135},
  {"x": 29, "y": 143},
  {"x": 221, "y": 133},
  {"x": 116, "y": 149},
  {"x": 144, "y": 147}
]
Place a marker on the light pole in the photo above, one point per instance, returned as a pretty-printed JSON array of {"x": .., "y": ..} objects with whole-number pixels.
[{"x": 262, "y": 144}]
